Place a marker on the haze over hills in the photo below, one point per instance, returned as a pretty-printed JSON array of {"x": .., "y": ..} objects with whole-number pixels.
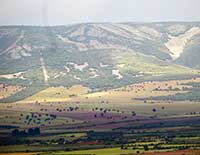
[
  {"x": 100, "y": 88},
  {"x": 99, "y": 77},
  {"x": 98, "y": 55}
]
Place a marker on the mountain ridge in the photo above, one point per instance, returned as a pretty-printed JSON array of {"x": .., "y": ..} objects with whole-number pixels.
[{"x": 117, "y": 52}]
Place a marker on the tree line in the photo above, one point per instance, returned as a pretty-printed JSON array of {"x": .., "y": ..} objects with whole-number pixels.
[{"x": 29, "y": 132}]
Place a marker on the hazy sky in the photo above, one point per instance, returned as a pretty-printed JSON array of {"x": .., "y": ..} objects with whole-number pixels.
[{"x": 62, "y": 12}]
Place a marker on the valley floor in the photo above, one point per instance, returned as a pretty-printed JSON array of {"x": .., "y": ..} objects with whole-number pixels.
[{"x": 127, "y": 120}]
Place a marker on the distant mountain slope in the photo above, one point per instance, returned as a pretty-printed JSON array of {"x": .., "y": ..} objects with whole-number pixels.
[
  {"x": 98, "y": 55},
  {"x": 191, "y": 55}
]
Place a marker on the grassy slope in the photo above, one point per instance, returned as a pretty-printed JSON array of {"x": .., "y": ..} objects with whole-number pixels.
[
  {"x": 125, "y": 94},
  {"x": 57, "y": 94},
  {"x": 129, "y": 66}
]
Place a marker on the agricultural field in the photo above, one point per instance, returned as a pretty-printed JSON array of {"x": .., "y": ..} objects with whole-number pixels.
[
  {"x": 57, "y": 94},
  {"x": 127, "y": 152},
  {"x": 8, "y": 90},
  {"x": 125, "y": 120},
  {"x": 127, "y": 94},
  {"x": 111, "y": 152},
  {"x": 100, "y": 89}
]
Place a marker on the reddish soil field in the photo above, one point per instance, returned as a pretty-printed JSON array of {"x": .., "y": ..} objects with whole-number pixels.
[
  {"x": 90, "y": 143},
  {"x": 96, "y": 116}
]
